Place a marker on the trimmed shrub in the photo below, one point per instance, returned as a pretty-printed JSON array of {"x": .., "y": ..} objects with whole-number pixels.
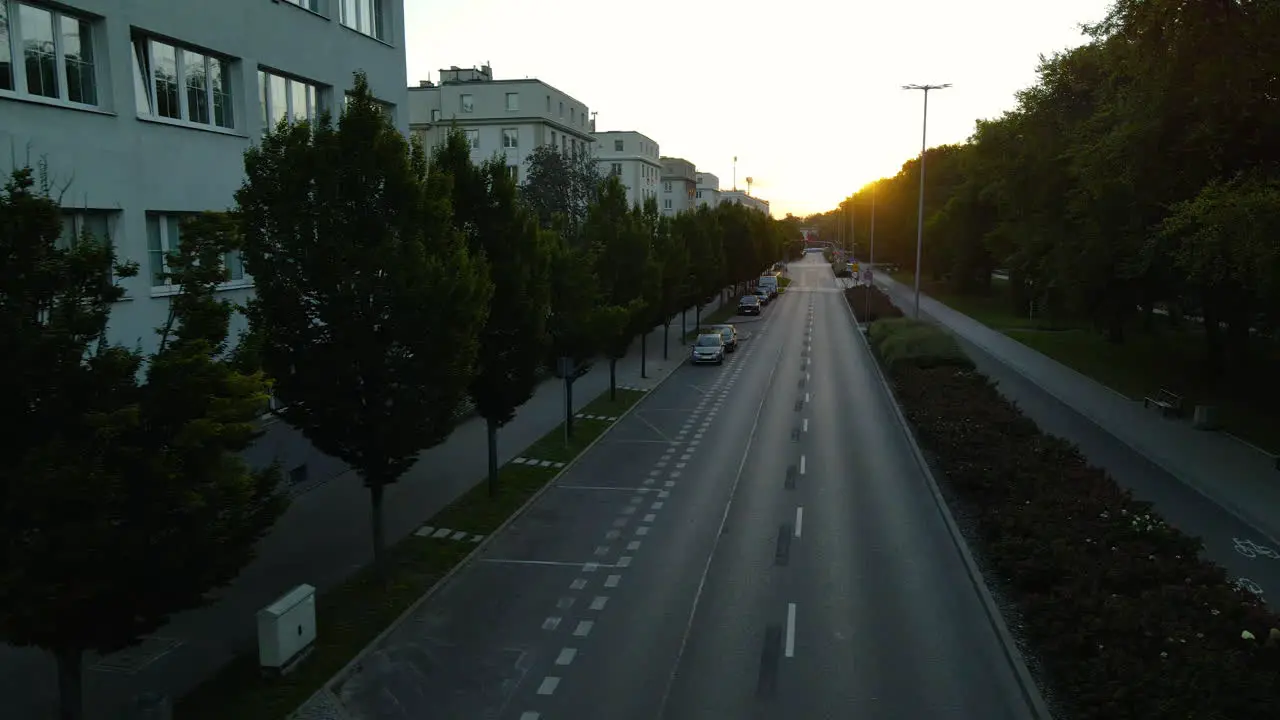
[
  {"x": 919, "y": 344},
  {"x": 1127, "y": 620},
  {"x": 870, "y": 302}
]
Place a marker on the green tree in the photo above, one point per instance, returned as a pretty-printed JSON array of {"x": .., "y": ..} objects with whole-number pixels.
[
  {"x": 672, "y": 255},
  {"x": 560, "y": 187},
  {"x": 624, "y": 268},
  {"x": 514, "y": 340},
  {"x": 369, "y": 304},
  {"x": 125, "y": 498},
  {"x": 706, "y": 259}
]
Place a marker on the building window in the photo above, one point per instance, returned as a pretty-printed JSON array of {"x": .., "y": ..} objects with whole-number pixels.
[
  {"x": 617, "y": 146},
  {"x": 699, "y": 194},
  {"x": 513, "y": 102},
  {"x": 666, "y": 187},
  {"x": 666, "y": 204},
  {"x": 615, "y": 169},
  {"x": 435, "y": 115},
  {"x": 515, "y": 173},
  {"x": 573, "y": 116},
  {"x": 473, "y": 139},
  {"x": 54, "y": 50},
  {"x": 467, "y": 103},
  {"x": 284, "y": 98},
  {"x": 364, "y": 16},
  {"x": 312, "y": 5},
  {"x": 181, "y": 84},
  {"x": 553, "y": 138},
  {"x": 510, "y": 138},
  {"x": 387, "y": 109},
  {"x": 164, "y": 235},
  {"x": 561, "y": 109},
  {"x": 548, "y": 103}
]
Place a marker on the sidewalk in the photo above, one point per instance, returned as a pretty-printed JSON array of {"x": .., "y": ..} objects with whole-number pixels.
[
  {"x": 322, "y": 539},
  {"x": 1234, "y": 474}
]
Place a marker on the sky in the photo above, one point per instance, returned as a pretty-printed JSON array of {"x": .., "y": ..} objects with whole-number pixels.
[{"x": 806, "y": 93}]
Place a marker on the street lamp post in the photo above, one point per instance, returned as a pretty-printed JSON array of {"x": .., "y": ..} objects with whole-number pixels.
[
  {"x": 871, "y": 262},
  {"x": 920, "y": 213}
]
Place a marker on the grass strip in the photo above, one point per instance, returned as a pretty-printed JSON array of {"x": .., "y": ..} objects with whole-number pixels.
[{"x": 352, "y": 614}]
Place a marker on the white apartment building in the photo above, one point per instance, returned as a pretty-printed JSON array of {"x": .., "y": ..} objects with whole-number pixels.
[
  {"x": 679, "y": 186},
  {"x": 144, "y": 109},
  {"x": 708, "y": 189},
  {"x": 633, "y": 157},
  {"x": 507, "y": 117},
  {"x": 740, "y": 197}
]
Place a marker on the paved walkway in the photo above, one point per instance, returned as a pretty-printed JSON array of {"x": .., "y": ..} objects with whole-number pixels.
[
  {"x": 1238, "y": 476},
  {"x": 321, "y": 540}
]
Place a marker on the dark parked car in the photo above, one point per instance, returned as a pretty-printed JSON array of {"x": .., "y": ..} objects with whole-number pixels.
[
  {"x": 749, "y": 305},
  {"x": 730, "y": 335}
]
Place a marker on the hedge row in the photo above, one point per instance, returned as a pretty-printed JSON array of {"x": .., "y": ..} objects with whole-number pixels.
[
  {"x": 869, "y": 304},
  {"x": 1125, "y": 618}
]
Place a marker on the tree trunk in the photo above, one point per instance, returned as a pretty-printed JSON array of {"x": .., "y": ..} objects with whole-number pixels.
[
  {"x": 684, "y": 329},
  {"x": 492, "y": 426},
  {"x": 666, "y": 335},
  {"x": 644, "y": 354},
  {"x": 613, "y": 379},
  {"x": 376, "y": 489},
  {"x": 70, "y": 684},
  {"x": 697, "y": 319},
  {"x": 568, "y": 408}
]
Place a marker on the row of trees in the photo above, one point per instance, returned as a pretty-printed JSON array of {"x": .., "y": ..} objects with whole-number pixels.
[
  {"x": 391, "y": 288},
  {"x": 1139, "y": 173}
]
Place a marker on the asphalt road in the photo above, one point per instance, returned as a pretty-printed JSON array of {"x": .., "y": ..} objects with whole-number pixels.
[{"x": 754, "y": 541}]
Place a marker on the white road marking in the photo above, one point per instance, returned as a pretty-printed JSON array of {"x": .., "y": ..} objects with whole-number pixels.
[
  {"x": 548, "y": 685},
  {"x": 578, "y": 584},
  {"x": 566, "y": 656},
  {"x": 799, "y": 520},
  {"x": 791, "y": 630},
  {"x": 584, "y": 628},
  {"x": 655, "y": 472},
  {"x": 529, "y": 716},
  {"x": 674, "y": 474},
  {"x": 597, "y": 603},
  {"x": 620, "y": 522},
  {"x": 657, "y": 505},
  {"x": 660, "y": 464},
  {"x": 642, "y": 530},
  {"x": 612, "y": 581},
  {"x": 602, "y": 550},
  {"x": 650, "y": 518},
  {"x": 551, "y": 623},
  {"x": 623, "y": 561},
  {"x": 801, "y": 464},
  {"x": 670, "y": 483},
  {"x": 637, "y": 499},
  {"x": 806, "y": 424},
  {"x": 680, "y": 466},
  {"x": 590, "y": 567},
  {"x": 664, "y": 494},
  {"x": 565, "y": 602},
  {"x": 613, "y": 534},
  {"x": 806, "y": 377},
  {"x": 806, "y": 397},
  {"x": 628, "y": 509},
  {"x": 633, "y": 545},
  {"x": 593, "y": 487}
]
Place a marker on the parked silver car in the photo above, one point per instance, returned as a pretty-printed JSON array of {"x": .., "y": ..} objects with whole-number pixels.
[{"x": 708, "y": 348}]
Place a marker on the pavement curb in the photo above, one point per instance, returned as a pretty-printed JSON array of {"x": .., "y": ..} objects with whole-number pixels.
[
  {"x": 1231, "y": 508},
  {"x": 328, "y": 699},
  {"x": 1030, "y": 690}
]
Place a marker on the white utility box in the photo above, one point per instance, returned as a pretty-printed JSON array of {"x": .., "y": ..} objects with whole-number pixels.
[{"x": 287, "y": 628}]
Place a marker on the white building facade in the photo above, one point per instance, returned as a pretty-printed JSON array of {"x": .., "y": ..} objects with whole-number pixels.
[
  {"x": 144, "y": 109},
  {"x": 708, "y": 189},
  {"x": 679, "y": 186},
  {"x": 740, "y": 197},
  {"x": 634, "y": 158},
  {"x": 506, "y": 117}
]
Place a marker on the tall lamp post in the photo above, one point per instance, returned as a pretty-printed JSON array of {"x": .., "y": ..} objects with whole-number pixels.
[
  {"x": 920, "y": 213},
  {"x": 871, "y": 262}
]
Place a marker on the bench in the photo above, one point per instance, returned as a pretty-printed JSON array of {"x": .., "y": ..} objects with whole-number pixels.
[{"x": 1170, "y": 403}]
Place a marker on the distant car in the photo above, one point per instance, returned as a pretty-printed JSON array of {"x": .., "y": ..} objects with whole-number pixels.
[
  {"x": 749, "y": 305},
  {"x": 709, "y": 348},
  {"x": 730, "y": 335},
  {"x": 763, "y": 294}
]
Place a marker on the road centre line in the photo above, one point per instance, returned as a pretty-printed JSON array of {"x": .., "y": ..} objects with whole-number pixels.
[
  {"x": 790, "y": 650},
  {"x": 799, "y": 520},
  {"x": 801, "y": 464}
]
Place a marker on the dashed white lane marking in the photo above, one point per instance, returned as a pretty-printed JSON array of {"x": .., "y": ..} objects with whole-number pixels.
[
  {"x": 565, "y": 602},
  {"x": 806, "y": 424},
  {"x": 650, "y": 517},
  {"x": 790, "y": 650},
  {"x": 529, "y": 716},
  {"x": 548, "y": 685},
  {"x": 642, "y": 530},
  {"x": 578, "y": 584},
  {"x": 657, "y": 505},
  {"x": 620, "y": 522},
  {"x": 637, "y": 499},
  {"x": 799, "y": 520},
  {"x": 623, "y": 561},
  {"x": 628, "y": 509},
  {"x": 584, "y": 628},
  {"x": 674, "y": 474},
  {"x": 590, "y": 567},
  {"x": 801, "y": 464},
  {"x": 598, "y": 602},
  {"x": 613, "y": 534},
  {"x": 602, "y": 550},
  {"x": 806, "y": 397},
  {"x": 566, "y": 656},
  {"x": 551, "y": 623},
  {"x": 670, "y": 483},
  {"x": 633, "y": 545},
  {"x": 612, "y": 581},
  {"x": 807, "y": 377}
]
